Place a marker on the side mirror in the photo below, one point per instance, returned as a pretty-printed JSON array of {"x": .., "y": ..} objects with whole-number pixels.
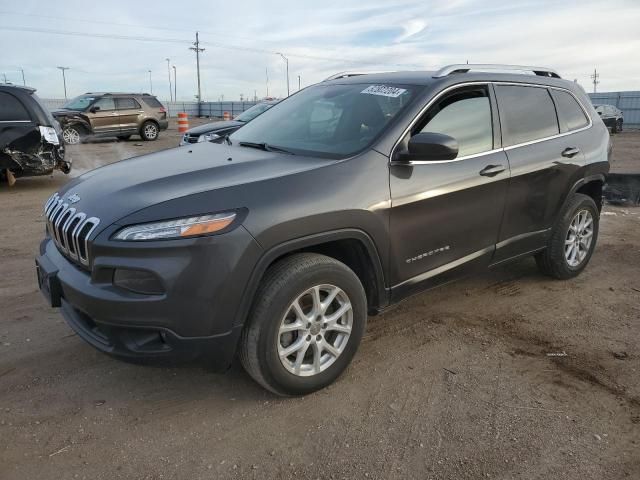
[
  {"x": 429, "y": 147},
  {"x": 94, "y": 109}
]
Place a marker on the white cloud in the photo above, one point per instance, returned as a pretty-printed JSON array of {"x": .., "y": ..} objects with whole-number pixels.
[{"x": 573, "y": 37}]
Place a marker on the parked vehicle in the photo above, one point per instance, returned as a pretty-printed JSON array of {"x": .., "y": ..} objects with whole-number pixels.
[
  {"x": 214, "y": 131},
  {"x": 278, "y": 242},
  {"x": 611, "y": 116},
  {"x": 29, "y": 136},
  {"x": 112, "y": 115}
]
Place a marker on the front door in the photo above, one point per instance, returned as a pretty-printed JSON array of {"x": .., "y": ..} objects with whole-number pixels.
[
  {"x": 446, "y": 215},
  {"x": 129, "y": 110},
  {"x": 103, "y": 116}
]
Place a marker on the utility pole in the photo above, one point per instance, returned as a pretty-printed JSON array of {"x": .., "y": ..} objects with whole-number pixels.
[
  {"x": 150, "y": 83},
  {"x": 175, "y": 84},
  {"x": 298, "y": 82},
  {"x": 64, "y": 80},
  {"x": 595, "y": 78},
  {"x": 169, "y": 74},
  {"x": 196, "y": 48},
  {"x": 5, "y": 77},
  {"x": 23, "y": 82},
  {"x": 287, "y": 62}
]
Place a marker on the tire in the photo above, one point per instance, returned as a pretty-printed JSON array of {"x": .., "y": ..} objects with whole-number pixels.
[
  {"x": 262, "y": 343},
  {"x": 73, "y": 134},
  {"x": 556, "y": 259},
  {"x": 149, "y": 131},
  {"x": 618, "y": 126},
  {"x": 123, "y": 137}
]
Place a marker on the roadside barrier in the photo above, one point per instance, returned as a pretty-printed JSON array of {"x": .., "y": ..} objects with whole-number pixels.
[
  {"x": 183, "y": 122},
  {"x": 226, "y": 116}
]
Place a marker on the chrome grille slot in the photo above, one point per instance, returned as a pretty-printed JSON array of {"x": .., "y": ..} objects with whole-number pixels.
[{"x": 69, "y": 229}]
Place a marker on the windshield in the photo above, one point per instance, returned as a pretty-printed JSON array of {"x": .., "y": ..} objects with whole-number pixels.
[
  {"x": 79, "y": 103},
  {"x": 253, "y": 112},
  {"x": 328, "y": 120}
]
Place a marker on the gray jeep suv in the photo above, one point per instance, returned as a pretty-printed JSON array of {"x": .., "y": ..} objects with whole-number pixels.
[{"x": 276, "y": 244}]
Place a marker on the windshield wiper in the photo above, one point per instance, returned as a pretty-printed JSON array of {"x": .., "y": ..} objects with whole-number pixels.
[{"x": 265, "y": 146}]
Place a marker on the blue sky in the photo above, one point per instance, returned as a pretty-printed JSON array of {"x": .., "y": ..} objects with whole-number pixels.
[{"x": 241, "y": 40}]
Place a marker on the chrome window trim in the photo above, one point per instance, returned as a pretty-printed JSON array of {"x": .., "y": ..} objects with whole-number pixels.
[
  {"x": 15, "y": 121},
  {"x": 495, "y": 150}
]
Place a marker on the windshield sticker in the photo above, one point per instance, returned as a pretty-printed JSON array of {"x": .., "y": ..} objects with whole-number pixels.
[{"x": 384, "y": 90}]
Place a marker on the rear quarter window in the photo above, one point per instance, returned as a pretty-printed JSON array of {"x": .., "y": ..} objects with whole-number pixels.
[
  {"x": 12, "y": 109},
  {"x": 153, "y": 102},
  {"x": 570, "y": 113},
  {"x": 526, "y": 114}
]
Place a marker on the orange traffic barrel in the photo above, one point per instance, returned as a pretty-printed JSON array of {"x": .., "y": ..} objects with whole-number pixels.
[
  {"x": 226, "y": 116},
  {"x": 183, "y": 122}
]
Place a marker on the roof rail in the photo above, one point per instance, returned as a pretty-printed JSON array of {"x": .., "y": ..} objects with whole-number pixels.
[
  {"x": 488, "y": 67},
  {"x": 351, "y": 74}
]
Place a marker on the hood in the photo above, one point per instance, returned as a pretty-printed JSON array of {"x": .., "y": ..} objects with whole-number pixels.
[
  {"x": 122, "y": 188},
  {"x": 214, "y": 127}
]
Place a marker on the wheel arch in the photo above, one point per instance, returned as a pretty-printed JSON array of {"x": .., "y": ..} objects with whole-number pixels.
[
  {"x": 591, "y": 186},
  {"x": 353, "y": 247}
]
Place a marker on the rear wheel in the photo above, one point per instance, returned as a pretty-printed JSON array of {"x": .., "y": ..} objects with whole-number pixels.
[
  {"x": 149, "y": 131},
  {"x": 305, "y": 326},
  {"x": 573, "y": 239},
  {"x": 73, "y": 134},
  {"x": 619, "y": 126}
]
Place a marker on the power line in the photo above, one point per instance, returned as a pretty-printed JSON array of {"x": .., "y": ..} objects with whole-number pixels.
[{"x": 178, "y": 41}]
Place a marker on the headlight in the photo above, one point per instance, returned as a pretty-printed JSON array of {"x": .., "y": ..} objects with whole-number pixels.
[
  {"x": 178, "y": 228},
  {"x": 207, "y": 137}
]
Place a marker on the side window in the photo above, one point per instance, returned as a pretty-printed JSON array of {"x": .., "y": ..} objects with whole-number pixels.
[
  {"x": 526, "y": 114},
  {"x": 12, "y": 109},
  {"x": 466, "y": 116},
  {"x": 127, "y": 104},
  {"x": 105, "y": 103},
  {"x": 570, "y": 114}
]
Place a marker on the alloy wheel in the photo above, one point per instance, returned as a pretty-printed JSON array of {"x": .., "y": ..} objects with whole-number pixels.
[
  {"x": 150, "y": 131},
  {"x": 579, "y": 237},
  {"x": 71, "y": 136},
  {"x": 315, "y": 330}
]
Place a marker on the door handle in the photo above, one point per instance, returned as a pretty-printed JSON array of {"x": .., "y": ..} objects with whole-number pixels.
[
  {"x": 570, "y": 152},
  {"x": 492, "y": 170}
]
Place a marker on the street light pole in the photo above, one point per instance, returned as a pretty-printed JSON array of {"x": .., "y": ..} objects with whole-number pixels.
[
  {"x": 169, "y": 74},
  {"x": 64, "y": 80},
  {"x": 150, "y": 83},
  {"x": 287, "y": 62},
  {"x": 175, "y": 84},
  {"x": 23, "y": 82},
  {"x": 298, "y": 82}
]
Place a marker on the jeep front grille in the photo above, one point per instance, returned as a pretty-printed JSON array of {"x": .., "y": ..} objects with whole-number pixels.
[{"x": 69, "y": 229}]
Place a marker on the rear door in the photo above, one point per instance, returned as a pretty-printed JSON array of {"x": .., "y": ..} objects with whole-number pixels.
[
  {"x": 105, "y": 119},
  {"x": 446, "y": 215},
  {"x": 17, "y": 129},
  {"x": 130, "y": 111},
  {"x": 545, "y": 160}
]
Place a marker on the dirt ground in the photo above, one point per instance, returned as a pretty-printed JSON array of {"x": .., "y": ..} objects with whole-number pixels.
[{"x": 506, "y": 375}]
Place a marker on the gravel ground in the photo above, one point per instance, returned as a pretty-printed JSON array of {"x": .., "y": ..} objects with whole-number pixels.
[{"x": 504, "y": 375}]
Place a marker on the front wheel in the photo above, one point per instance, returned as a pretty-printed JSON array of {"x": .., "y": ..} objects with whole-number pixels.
[
  {"x": 305, "y": 326},
  {"x": 149, "y": 131},
  {"x": 573, "y": 239},
  {"x": 72, "y": 135}
]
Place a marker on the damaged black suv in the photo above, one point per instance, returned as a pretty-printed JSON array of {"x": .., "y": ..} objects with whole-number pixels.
[
  {"x": 30, "y": 138},
  {"x": 276, "y": 243}
]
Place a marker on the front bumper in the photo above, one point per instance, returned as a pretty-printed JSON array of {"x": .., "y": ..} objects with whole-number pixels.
[{"x": 195, "y": 316}]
